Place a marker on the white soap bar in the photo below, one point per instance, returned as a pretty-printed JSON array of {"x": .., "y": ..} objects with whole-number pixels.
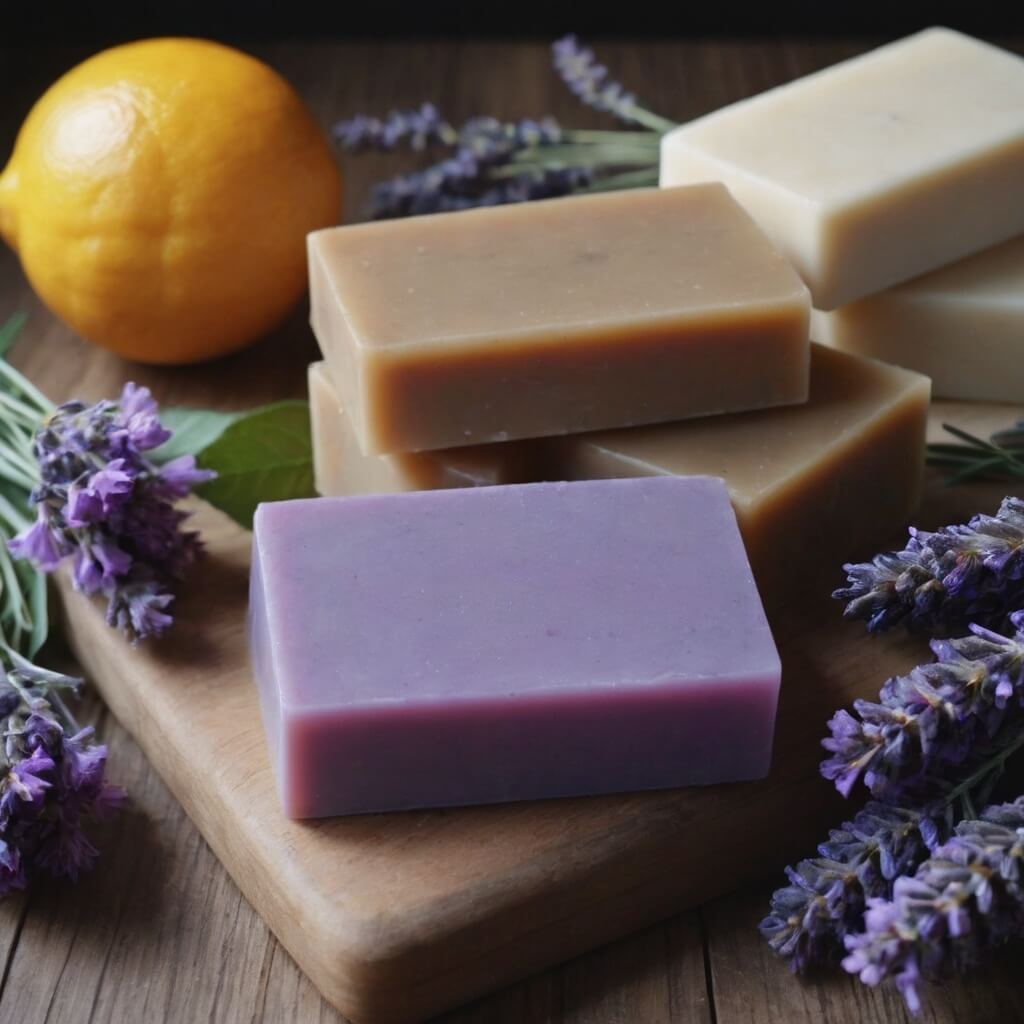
[
  {"x": 963, "y": 326},
  {"x": 875, "y": 170}
]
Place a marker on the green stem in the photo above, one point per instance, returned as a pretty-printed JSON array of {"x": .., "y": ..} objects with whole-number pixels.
[
  {"x": 54, "y": 697},
  {"x": 29, "y": 417},
  {"x": 15, "y": 474},
  {"x": 27, "y": 389},
  {"x": 627, "y": 179},
  {"x": 651, "y": 120},
  {"x": 996, "y": 763},
  {"x": 18, "y": 521},
  {"x": 576, "y": 155},
  {"x": 585, "y": 135}
]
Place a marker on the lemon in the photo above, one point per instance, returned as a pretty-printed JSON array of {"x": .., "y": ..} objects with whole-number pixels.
[{"x": 159, "y": 195}]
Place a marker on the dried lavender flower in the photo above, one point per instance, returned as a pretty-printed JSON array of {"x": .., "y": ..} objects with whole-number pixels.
[
  {"x": 937, "y": 720},
  {"x": 459, "y": 183},
  {"x": 102, "y": 503},
  {"x": 962, "y": 901},
  {"x": 52, "y": 781},
  {"x": 826, "y": 897},
  {"x": 491, "y": 161},
  {"x": 590, "y": 83},
  {"x": 418, "y": 129},
  {"x": 942, "y": 581}
]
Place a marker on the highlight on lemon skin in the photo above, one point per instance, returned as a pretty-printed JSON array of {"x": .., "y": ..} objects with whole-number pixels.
[{"x": 159, "y": 195}]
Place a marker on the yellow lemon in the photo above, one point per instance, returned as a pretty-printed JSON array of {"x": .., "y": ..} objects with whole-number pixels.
[{"x": 159, "y": 195}]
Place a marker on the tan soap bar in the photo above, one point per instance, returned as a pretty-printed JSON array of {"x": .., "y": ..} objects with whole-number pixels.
[
  {"x": 812, "y": 485},
  {"x": 556, "y": 317},
  {"x": 875, "y": 170},
  {"x": 963, "y": 325},
  {"x": 341, "y": 469}
]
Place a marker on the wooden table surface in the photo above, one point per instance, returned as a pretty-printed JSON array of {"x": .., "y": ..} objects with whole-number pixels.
[{"x": 159, "y": 932}]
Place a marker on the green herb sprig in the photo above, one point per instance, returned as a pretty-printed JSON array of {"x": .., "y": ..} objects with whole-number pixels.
[{"x": 999, "y": 458}]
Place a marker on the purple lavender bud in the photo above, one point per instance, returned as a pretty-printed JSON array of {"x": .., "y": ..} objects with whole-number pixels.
[
  {"x": 137, "y": 414},
  {"x": 589, "y": 81},
  {"x": 942, "y": 581},
  {"x": 932, "y": 721},
  {"x": 104, "y": 504},
  {"x": 960, "y": 902},
  {"x": 25, "y": 786},
  {"x": 52, "y": 784},
  {"x": 419, "y": 129},
  {"x": 39, "y": 544},
  {"x": 826, "y": 897},
  {"x": 177, "y": 478}
]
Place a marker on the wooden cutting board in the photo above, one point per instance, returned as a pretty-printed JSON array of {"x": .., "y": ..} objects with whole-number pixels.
[{"x": 398, "y": 916}]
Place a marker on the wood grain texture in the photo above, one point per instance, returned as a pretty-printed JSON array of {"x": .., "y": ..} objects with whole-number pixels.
[{"x": 160, "y": 932}]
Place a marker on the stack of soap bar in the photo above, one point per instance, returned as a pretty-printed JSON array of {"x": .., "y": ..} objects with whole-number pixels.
[
  {"x": 556, "y": 317},
  {"x": 506, "y": 643},
  {"x": 797, "y": 475},
  {"x": 340, "y": 468},
  {"x": 812, "y": 485},
  {"x": 876, "y": 170},
  {"x": 962, "y": 325}
]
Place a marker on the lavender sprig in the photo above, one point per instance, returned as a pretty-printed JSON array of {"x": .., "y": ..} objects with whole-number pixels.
[
  {"x": 103, "y": 504},
  {"x": 961, "y": 902},
  {"x": 941, "y": 581},
  {"x": 52, "y": 777},
  {"x": 418, "y": 129},
  {"x": 490, "y": 162},
  {"x": 591, "y": 84},
  {"x": 934, "y": 721},
  {"x": 827, "y": 895}
]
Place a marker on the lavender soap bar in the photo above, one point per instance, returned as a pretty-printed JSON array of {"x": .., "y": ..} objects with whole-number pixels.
[{"x": 507, "y": 643}]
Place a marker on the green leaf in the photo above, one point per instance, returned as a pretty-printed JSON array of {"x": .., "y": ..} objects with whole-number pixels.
[
  {"x": 193, "y": 430},
  {"x": 10, "y": 330},
  {"x": 266, "y": 455},
  {"x": 33, "y": 585}
]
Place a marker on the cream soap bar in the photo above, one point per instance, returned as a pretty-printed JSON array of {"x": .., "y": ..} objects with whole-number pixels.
[
  {"x": 556, "y": 317},
  {"x": 812, "y": 485},
  {"x": 508, "y": 643},
  {"x": 963, "y": 325},
  {"x": 875, "y": 170},
  {"x": 340, "y": 468}
]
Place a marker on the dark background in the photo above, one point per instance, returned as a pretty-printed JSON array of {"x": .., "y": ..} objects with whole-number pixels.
[{"x": 115, "y": 21}]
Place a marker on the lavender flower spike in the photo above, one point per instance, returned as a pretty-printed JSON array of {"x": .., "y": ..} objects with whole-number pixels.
[
  {"x": 419, "y": 129},
  {"x": 105, "y": 505},
  {"x": 933, "y": 721},
  {"x": 942, "y": 581},
  {"x": 52, "y": 783},
  {"x": 590, "y": 83},
  {"x": 965, "y": 899},
  {"x": 825, "y": 899}
]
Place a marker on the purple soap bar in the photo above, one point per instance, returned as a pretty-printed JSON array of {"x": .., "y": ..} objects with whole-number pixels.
[{"x": 508, "y": 643}]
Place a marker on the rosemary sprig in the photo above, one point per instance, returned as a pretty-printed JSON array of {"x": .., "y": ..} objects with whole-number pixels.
[{"x": 999, "y": 458}]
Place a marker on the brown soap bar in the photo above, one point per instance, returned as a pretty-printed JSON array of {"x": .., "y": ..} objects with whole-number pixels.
[
  {"x": 340, "y": 468},
  {"x": 556, "y": 317},
  {"x": 812, "y": 485}
]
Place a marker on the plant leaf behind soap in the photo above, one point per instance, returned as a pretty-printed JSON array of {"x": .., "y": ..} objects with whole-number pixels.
[
  {"x": 265, "y": 455},
  {"x": 193, "y": 431}
]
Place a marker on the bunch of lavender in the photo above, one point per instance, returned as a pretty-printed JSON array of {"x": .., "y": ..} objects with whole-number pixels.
[
  {"x": 492, "y": 162},
  {"x": 942, "y": 581},
  {"x": 929, "y": 751},
  {"x": 99, "y": 500},
  {"x": 961, "y": 902},
  {"x": 51, "y": 777}
]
